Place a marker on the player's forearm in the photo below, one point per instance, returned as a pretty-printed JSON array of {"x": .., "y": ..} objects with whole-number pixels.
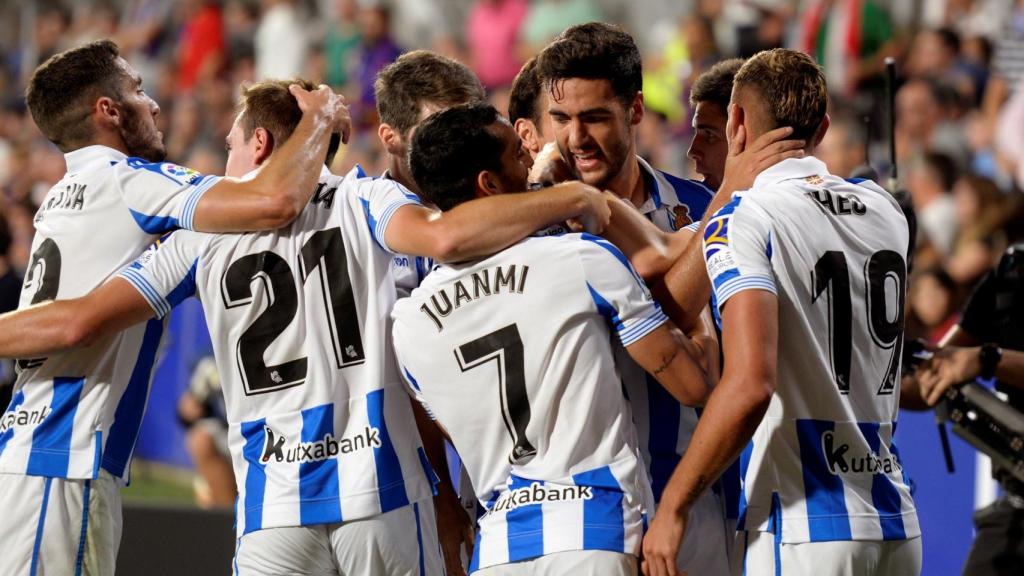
[
  {"x": 279, "y": 191},
  {"x": 42, "y": 329},
  {"x": 726, "y": 425},
  {"x": 649, "y": 249},
  {"x": 433, "y": 445},
  {"x": 485, "y": 226}
]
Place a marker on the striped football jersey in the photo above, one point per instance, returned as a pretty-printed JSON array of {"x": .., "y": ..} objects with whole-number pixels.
[
  {"x": 76, "y": 412},
  {"x": 321, "y": 429},
  {"x": 822, "y": 465},
  {"x": 512, "y": 355}
]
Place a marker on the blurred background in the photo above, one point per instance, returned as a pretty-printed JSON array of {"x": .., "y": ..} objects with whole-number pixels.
[{"x": 959, "y": 137}]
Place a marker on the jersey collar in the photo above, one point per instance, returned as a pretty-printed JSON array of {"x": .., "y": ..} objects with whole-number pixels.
[
  {"x": 790, "y": 169},
  {"x": 655, "y": 183},
  {"x": 89, "y": 157}
]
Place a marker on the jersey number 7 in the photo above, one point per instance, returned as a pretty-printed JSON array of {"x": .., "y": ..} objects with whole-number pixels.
[{"x": 506, "y": 347}]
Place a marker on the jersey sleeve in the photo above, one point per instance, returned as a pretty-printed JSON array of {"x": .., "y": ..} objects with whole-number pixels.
[
  {"x": 166, "y": 273},
  {"x": 738, "y": 251},
  {"x": 160, "y": 195},
  {"x": 618, "y": 292},
  {"x": 380, "y": 199}
]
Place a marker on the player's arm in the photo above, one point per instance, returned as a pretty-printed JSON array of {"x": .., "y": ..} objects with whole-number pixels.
[
  {"x": 676, "y": 362},
  {"x": 728, "y": 422},
  {"x": 284, "y": 185},
  {"x": 487, "y": 225},
  {"x": 688, "y": 292},
  {"x": 60, "y": 325}
]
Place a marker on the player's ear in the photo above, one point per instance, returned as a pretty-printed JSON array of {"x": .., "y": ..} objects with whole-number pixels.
[
  {"x": 819, "y": 134},
  {"x": 735, "y": 119},
  {"x": 263, "y": 144},
  {"x": 390, "y": 138},
  {"x": 636, "y": 109},
  {"x": 487, "y": 184},
  {"x": 528, "y": 135},
  {"x": 106, "y": 112}
]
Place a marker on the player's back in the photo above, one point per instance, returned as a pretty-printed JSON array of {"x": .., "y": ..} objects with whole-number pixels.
[
  {"x": 834, "y": 252},
  {"x": 77, "y": 411},
  {"x": 320, "y": 427},
  {"x": 513, "y": 356}
]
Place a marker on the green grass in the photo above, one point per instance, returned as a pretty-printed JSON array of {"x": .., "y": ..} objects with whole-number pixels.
[{"x": 157, "y": 483}]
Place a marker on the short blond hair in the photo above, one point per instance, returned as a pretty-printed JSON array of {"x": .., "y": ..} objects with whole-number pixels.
[{"x": 792, "y": 88}]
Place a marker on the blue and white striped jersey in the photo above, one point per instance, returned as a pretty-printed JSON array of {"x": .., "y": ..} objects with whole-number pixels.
[
  {"x": 76, "y": 412},
  {"x": 321, "y": 429},
  {"x": 512, "y": 355},
  {"x": 822, "y": 465}
]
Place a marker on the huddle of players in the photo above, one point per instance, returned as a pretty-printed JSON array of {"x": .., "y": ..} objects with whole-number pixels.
[{"x": 508, "y": 346}]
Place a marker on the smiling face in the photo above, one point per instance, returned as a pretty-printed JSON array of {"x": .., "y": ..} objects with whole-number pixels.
[
  {"x": 593, "y": 129},
  {"x": 515, "y": 158},
  {"x": 709, "y": 147},
  {"x": 138, "y": 127}
]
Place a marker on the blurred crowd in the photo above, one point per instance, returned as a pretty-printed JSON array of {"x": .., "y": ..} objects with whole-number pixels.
[{"x": 959, "y": 133}]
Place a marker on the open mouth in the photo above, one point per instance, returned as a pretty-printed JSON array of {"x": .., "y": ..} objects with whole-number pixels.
[{"x": 586, "y": 161}]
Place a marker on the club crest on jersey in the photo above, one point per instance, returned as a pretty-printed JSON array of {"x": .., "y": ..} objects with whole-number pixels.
[
  {"x": 681, "y": 216},
  {"x": 274, "y": 446},
  {"x": 839, "y": 461}
]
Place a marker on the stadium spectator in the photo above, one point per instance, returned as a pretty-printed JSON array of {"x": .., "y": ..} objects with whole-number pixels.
[
  {"x": 201, "y": 44},
  {"x": 930, "y": 182},
  {"x": 492, "y": 36},
  {"x": 282, "y": 42}
]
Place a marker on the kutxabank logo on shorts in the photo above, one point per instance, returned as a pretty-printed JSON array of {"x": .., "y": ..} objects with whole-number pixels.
[
  {"x": 538, "y": 493},
  {"x": 840, "y": 461},
  {"x": 276, "y": 449}
]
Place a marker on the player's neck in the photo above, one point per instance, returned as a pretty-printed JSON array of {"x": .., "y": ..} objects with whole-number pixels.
[
  {"x": 110, "y": 140},
  {"x": 628, "y": 184},
  {"x": 397, "y": 173}
]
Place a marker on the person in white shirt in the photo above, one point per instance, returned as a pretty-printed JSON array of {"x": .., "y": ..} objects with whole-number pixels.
[
  {"x": 272, "y": 332},
  {"x": 513, "y": 355},
  {"x": 809, "y": 276},
  {"x": 67, "y": 437}
]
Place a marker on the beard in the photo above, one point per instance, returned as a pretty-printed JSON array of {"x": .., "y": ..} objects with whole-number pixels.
[
  {"x": 140, "y": 138},
  {"x": 614, "y": 156}
]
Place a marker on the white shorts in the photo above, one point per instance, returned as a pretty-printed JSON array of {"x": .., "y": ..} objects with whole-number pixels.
[
  {"x": 765, "y": 557},
  {"x": 402, "y": 542},
  {"x": 59, "y": 527},
  {"x": 576, "y": 563},
  {"x": 705, "y": 545}
]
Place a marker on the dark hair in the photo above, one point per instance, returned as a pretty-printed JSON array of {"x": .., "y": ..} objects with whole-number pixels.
[
  {"x": 792, "y": 87},
  {"x": 63, "y": 89},
  {"x": 949, "y": 38},
  {"x": 715, "y": 85},
  {"x": 942, "y": 168},
  {"x": 450, "y": 149},
  {"x": 269, "y": 105},
  {"x": 522, "y": 102},
  {"x": 594, "y": 51},
  {"x": 418, "y": 77}
]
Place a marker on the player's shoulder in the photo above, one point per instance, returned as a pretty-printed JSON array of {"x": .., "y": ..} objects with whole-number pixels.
[{"x": 169, "y": 171}]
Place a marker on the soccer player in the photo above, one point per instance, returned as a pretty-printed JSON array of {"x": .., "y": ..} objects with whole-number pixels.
[
  {"x": 592, "y": 77},
  {"x": 512, "y": 354},
  {"x": 67, "y": 437},
  {"x": 288, "y": 347},
  {"x": 821, "y": 261}
]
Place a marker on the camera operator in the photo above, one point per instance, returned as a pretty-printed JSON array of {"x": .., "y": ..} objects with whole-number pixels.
[{"x": 988, "y": 342}]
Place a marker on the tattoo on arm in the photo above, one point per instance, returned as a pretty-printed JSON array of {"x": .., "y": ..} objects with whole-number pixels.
[{"x": 667, "y": 362}]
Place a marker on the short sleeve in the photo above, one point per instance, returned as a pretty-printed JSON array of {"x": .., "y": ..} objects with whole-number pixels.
[
  {"x": 618, "y": 292},
  {"x": 738, "y": 251},
  {"x": 166, "y": 273},
  {"x": 161, "y": 196},
  {"x": 380, "y": 199}
]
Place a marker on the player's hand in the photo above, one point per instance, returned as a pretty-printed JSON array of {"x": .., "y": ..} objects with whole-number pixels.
[
  {"x": 328, "y": 106},
  {"x": 454, "y": 530},
  {"x": 947, "y": 367},
  {"x": 594, "y": 214},
  {"x": 747, "y": 160},
  {"x": 549, "y": 168},
  {"x": 661, "y": 545}
]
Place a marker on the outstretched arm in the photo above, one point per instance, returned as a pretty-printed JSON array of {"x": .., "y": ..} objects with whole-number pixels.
[
  {"x": 284, "y": 185},
  {"x": 64, "y": 324},
  {"x": 484, "y": 226}
]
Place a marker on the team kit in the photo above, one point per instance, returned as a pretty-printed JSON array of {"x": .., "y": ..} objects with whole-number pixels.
[{"x": 639, "y": 373}]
